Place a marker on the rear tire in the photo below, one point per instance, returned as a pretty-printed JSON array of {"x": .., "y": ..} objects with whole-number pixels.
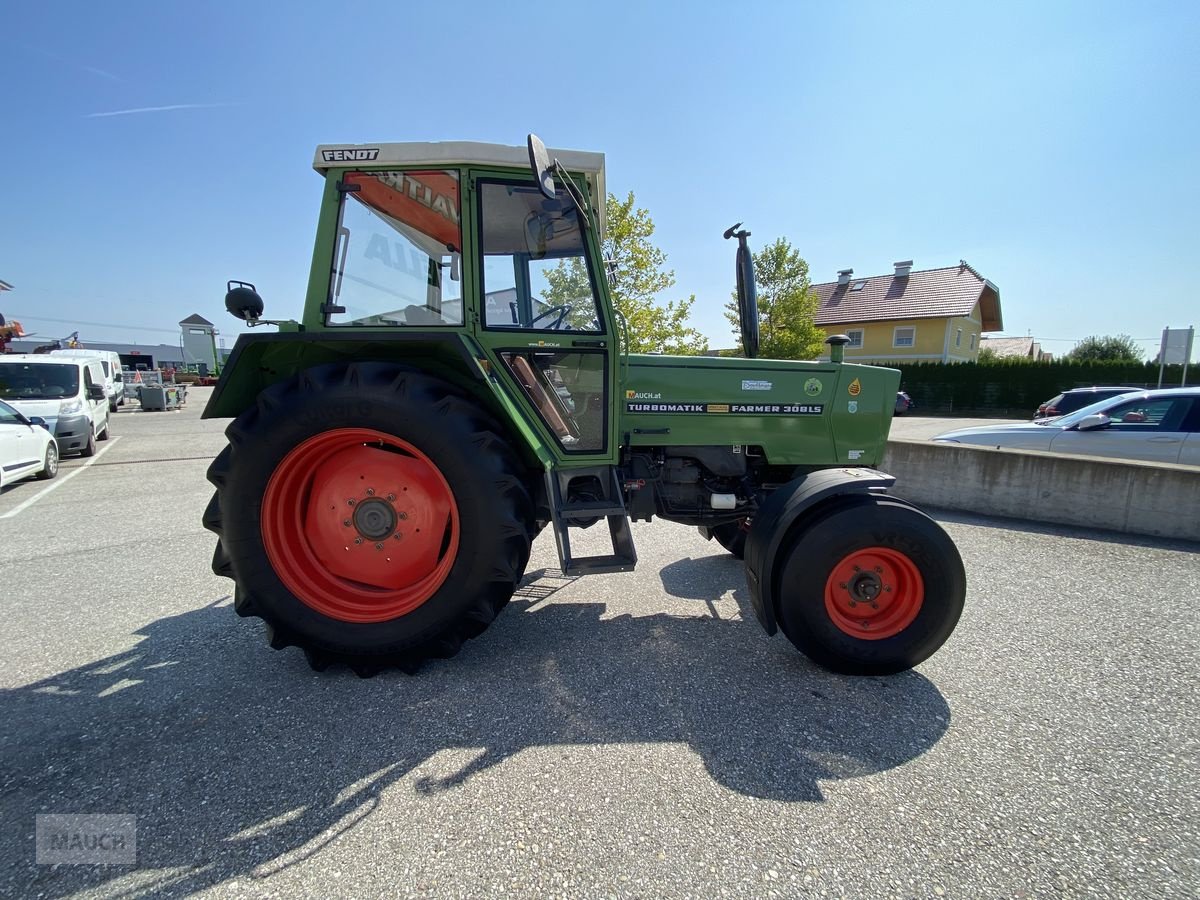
[
  {"x": 302, "y": 445},
  {"x": 732, "y": 536},
  {"x": 50, "y": 464},
  {"x": 873, "y": 587}
]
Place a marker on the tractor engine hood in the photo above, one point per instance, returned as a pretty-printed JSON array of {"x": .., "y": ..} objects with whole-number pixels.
[{"x": 799, "y": 413}]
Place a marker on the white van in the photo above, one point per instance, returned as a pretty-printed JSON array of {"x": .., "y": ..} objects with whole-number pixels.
[
  {"x": 68, "y": 393},
  {"x": 111, "y": 363}
]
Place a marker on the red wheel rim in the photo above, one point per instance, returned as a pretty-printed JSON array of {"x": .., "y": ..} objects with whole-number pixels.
[
  {"x": 360, "y": 525},
  {"x": 874, "y": 593}
]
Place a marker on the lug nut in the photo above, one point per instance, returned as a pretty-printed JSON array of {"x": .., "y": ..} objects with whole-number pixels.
[
  {"x": 379, "y": 546},
  {"x": 350, "y": 502},
  {"x": 371, "y": 493},
  {"x": 397, "y": 536},
  {"x": 346, "y": 522},
  {"x": 878, "y": 569},
  {"x": 402, "y": 515},
  {"x": 391, "y": 496},
  {"x": 358, "y": 540}
]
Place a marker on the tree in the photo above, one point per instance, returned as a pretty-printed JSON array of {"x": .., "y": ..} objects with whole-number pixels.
[
  {"x": 1106, "y": 348},
  {"x": 987, "y": 355},
  {"x": 635, "y": 277},
  {"x": 786, "y": 305}
]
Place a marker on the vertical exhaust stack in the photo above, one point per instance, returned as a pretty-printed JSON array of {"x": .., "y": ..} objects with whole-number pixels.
[
  {"x": 903, "y": 268},
  {"x": 844, "y": 275}
]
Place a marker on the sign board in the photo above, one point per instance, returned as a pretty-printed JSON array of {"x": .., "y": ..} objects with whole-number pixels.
[{"x": 1176, "y": 349}]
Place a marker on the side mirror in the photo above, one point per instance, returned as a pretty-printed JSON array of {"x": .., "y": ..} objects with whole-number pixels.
[
  {"x": 747, "y": 293},
  {"x": 243, "y": 301},
  {"x": 539, "y": 162},
  {"x": 38, "y": 420},
  {"x": 96, "y": 392},
  {"x": 1094, "y": 421}
]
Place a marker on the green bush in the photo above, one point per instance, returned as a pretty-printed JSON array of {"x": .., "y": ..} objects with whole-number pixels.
[{"x": 1015, "y": 387}]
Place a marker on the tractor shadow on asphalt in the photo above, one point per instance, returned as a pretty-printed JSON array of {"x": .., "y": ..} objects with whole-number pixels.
[{"x": 239, "y": 761}]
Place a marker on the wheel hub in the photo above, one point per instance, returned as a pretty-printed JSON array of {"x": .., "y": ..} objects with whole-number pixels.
[
  {"x": 874, "y": 593},
  {"x": 375, "y": 519},
  {"x": 360, "y": 525}
]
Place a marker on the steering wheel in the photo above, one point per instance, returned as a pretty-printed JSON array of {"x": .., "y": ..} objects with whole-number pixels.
[{"x": 560, "y": 310}]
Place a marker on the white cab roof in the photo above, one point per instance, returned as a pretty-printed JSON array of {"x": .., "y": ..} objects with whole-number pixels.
[{"x": 454, "y": 153}]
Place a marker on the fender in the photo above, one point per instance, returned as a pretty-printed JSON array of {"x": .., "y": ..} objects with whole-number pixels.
[{"x": 785, "y": 508}]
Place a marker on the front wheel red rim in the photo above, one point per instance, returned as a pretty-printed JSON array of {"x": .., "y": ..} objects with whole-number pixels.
[
  {"x": 360, "y": 525},
  {"x": 874, "y": 593}
]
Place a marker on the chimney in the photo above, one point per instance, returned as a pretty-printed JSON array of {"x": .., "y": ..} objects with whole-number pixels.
[
  {"x": 844, "y": 275},
  {"x": 903, "y": 268}
]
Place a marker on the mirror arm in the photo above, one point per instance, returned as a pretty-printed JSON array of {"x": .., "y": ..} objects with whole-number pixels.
[{"x": 572, "y": 192}]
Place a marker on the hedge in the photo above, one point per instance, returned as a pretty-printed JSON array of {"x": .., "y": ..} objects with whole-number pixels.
[{"x": 1016, "y": 387}]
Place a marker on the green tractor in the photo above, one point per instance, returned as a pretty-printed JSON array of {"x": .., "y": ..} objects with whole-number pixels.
[{"x": 458, "y": 382}]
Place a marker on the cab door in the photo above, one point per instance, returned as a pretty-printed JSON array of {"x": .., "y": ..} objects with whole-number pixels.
[{"x": 542, "y": 314}]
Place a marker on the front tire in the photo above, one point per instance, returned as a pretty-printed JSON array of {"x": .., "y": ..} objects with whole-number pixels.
[
  {"x": 351, "y": 463},
  {"x": 873, "y": 587},
  {"x": 50, "y": 464},
  {"x": 732, "y": 536},
  {"x": 89, "y": 449}
]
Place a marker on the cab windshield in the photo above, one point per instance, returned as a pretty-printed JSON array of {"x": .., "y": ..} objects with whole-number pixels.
[{"x": 38, "y": 381}]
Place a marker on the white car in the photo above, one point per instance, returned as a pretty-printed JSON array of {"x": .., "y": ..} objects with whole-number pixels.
[
  {"x": 26, "y": 447},
  {"x": 68, "y": 393},
  {"x": 1152, "y": 426}
]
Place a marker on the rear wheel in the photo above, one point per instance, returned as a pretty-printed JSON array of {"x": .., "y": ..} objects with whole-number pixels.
[
  {"x": 872, "y": 588},
  {"x": 732, "y": 536},
  {"x": 394, "y": 520},
  {"x": 50, "y": 463}
]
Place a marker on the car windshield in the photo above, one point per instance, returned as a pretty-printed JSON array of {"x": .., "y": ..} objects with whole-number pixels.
[
  {"x": 38, "y": 381},
  {"x": 1098, "y": 407}
]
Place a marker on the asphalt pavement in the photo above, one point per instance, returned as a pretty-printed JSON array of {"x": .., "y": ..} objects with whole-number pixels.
[{"x": 626, "y": 735}]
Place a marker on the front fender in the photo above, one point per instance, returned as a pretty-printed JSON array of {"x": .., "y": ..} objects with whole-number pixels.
[{"x": 778, "y": 517}]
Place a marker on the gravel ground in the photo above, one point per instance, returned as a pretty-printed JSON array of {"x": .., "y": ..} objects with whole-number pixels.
[{"x": 627, "y": 735}]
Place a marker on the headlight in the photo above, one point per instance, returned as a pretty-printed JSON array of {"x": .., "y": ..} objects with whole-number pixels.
[{"x": 70, "y": 407}]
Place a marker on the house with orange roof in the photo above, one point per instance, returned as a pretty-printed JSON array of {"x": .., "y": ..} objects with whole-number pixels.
[{"x": 931, "y": 315}]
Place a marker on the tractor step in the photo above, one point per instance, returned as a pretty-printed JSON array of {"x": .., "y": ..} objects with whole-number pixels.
[{"x": 569, "y": 515}]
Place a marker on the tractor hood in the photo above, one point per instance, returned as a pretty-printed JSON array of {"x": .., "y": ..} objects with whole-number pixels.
[{"x": 797, "y": 412}]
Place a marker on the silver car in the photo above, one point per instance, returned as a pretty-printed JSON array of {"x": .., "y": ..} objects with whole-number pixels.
[{"x": 1153, "y": 426}]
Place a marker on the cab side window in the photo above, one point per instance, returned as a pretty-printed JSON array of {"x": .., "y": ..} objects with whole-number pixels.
[
  {"x": 535, "y": 270},
  {"x": 398, "y": 259}
]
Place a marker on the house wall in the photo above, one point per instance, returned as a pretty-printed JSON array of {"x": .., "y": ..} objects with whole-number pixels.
[{"x": 934, "y": 340}]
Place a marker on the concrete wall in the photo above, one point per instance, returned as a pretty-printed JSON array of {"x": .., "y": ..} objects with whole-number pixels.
[{"x": 1138, "y": 498}]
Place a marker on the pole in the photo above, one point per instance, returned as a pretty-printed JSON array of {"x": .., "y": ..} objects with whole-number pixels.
[
  {"x": 1187, "y": 356},
  {"x": 1162, "y": 354}
]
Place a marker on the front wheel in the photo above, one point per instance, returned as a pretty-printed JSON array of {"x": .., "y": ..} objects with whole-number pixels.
[
  {"x": 50, "y": 463},
  {"x": 732, "y": 536},
  {"x": 872, "y": 588}
]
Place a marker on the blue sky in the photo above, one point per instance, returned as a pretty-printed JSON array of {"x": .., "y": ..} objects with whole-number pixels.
[{"x": 1054, "y": 146}]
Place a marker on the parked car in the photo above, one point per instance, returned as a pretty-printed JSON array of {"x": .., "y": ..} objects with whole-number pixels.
[
  {"x": 110, "y": 362},
  {"x": 1154, "y": 426},
  {"x": 903, "y": 403},
  {"x": 1076, "y": 399},
  {"x": 68, "y": 393},
  {"x": 27, "y": 448}
]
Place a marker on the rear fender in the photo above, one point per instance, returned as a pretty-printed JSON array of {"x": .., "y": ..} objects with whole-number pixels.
[{"x": 783, "y": 512}]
